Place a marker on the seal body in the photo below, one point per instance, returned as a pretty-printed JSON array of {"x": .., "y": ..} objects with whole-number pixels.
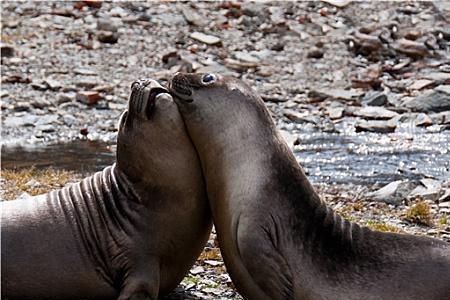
[
  {"x": 278, "y": 239},
  {"x": 131, "y": 231}
]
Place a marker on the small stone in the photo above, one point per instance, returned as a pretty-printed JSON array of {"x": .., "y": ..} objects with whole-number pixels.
[
  {"x": 335, "y": 112},
  {"x": 47, "y": 128},
  {"x": 334, "y": 94},
  {"x": 213, "y": 263},
  {"x": 423, "y": 120},
  {"x": 192, "y": 17},
  {"x": 69, "y": 120},
  {"x": 6, "y": 50},
  {"x": 428, "y": 189},
  {"x": 338, "y": 3},
  {"x": 315, "y": 53},
  {"x": 420, "y": 84},
  {"x": 16, "y": 79},
  {"x": 197, "y": 270},
  {"x": 430, "y": 101},
  {"x": 206, "y": 38},
  {"x": 393, "y": 193},
  {"x": 246, "y": 57},
  {"x": 375, "y": 99},
  {"x": 88, "y": 97},
  {"x": 39, "y": 86},
  {"x": 375, "y": 112},
  {"x": 108, "y": 37},
  {"x": 33, "y": 183},
  {"x": 445, "y": 88},
  {"x": 106, "y": 25},
  {"x": 22, "y": 106},
  {"x": 40, "y": 103},
  {"x": 85, "y": 71},
  {"x": 53, "y": 84},
  {"x": 411, "y": 48},
  {"x": 87, "y": 83},
  {"x": 375, "y": 126},
  {"x": 298, "y": 117},
  {"x": 65, "y": 97}
]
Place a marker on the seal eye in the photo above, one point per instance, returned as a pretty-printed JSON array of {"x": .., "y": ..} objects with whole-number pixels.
[{"x": 208, "y": 78}]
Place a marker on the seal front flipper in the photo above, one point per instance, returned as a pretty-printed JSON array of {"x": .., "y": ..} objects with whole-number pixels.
[{"x": 141, "y": 283}]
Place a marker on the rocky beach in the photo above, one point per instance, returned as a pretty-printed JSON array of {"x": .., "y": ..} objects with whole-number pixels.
[{"x": 360, "y": 91}]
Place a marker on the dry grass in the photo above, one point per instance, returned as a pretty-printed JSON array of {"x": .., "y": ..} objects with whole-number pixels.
[
  {"x": 419, "y": 213},
  {"x": 32, "y": 181},
  {"x": 381, "y": 226}
]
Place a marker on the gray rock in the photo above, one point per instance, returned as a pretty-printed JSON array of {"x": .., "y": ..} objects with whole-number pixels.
[
  {"x": 206, "y": 38},
  {"x": 441, "y": 118},
  {"x": 6, "y": 50},
  {"x": 375, "y": 112},
  {"x": 375, "y": 99},
  {"x": 335, "y": 94},
  {"x": 40, "y": 103},
  {"x": 393, "y": 193},
  {"x": 375, "y": 126},
  {"x": 411, "y": 48},
  {"x": 429, "y": 189},
  {"x": 246, "y": 57},
  {"x": 27, "y": 120},
  {"x": 108, "y": 37},
  {"x": 106, "y": 25},
  {"x": 53, "y": 84},
  {"x": 423, "y": 119},
  {"x": 69, "y": 120},
  {"x": 252, "y": 9},
  {"x": 445, "y": 88},
  {"x": 335, "y": 112},
  {"x": 65, "y": 97},
  {"x": 430, "y": 101},
  {"x": 192, "y": 17},
  {"x": 22, "y": 106}
]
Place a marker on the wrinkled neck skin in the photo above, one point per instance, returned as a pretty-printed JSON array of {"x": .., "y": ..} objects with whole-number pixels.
[{"x": 278, "y": 239}]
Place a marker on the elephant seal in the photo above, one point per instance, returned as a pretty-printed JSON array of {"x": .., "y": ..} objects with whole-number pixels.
[
  {"x": 279, "y": 240},
  {"x": 131, "y": 231}
]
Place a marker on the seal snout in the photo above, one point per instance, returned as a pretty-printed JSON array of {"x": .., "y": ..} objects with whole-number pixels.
[
  {"x": 144, "y": 93},
  {"x": 181, "y": 86}
]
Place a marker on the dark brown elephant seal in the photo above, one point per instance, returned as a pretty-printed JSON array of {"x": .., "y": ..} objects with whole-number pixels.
[
  {"x": 131, "y": 231},
  {"x": 278, "y": 239}
]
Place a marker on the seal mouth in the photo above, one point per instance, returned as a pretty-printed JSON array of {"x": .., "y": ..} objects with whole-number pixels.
[{"x": 144, "y": 93}]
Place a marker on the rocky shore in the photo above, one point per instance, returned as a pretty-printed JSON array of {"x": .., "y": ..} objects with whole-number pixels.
[{"x": 361, "y": 92}]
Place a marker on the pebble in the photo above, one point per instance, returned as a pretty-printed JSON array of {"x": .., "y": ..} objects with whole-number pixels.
[
  {"x": 65, "y": 97},
  {"x": 394, "y": 193},
  {"x": 106, "y": 25},
  {"x": 423, "y": 119},
  {"x": 315, "y": 53},
  {"x": 375, "y": 126},
  {"x": 206, "y": 38},
  {"x": 335, "y": 112},
  {"x": 7, "y": 50},
  {"x": 374, "y": 99},
  {"x": 411, "y": 48},
  {"x": 108, "y": 37},
  {"x": 88, "y": 97},
  {"x": 375, "y": 112},
  {"x": 430, "y": 101}
]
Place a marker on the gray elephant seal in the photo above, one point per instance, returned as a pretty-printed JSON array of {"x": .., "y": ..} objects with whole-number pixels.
[
  {"x": 131, "y": 231},
  {"x": 278, "y": 239}
]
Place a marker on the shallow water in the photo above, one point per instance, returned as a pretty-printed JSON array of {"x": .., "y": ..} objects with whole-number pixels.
[
  {"x": 80, "y": 156},
  {"x": 370, "y": 158},
  {"x": 342, "y": 158}
]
